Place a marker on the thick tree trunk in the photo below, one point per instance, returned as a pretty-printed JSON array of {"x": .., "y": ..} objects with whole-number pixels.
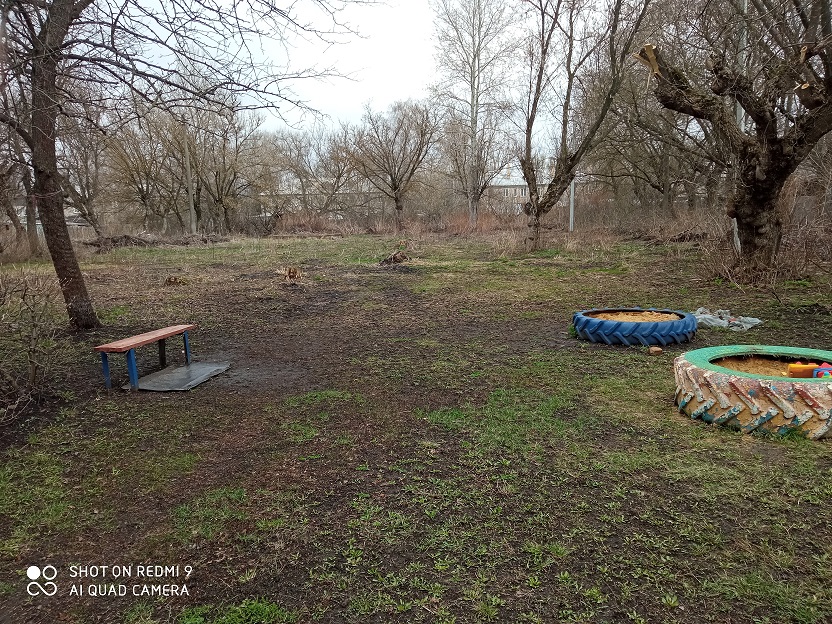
[
  {"x": 533, "y": 238},
  {"x": 47, "y": 188},
  {"x": 78, "y": 303},
  {"x": 764, "y": 158},
  {"x": 754, "y": 206}
]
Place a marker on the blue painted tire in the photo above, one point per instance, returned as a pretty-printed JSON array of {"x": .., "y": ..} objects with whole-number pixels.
[{"x": 634, "y": 333}]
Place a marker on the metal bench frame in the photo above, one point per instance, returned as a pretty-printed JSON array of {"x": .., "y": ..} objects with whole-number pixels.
[{"x": 128, "y": 347}]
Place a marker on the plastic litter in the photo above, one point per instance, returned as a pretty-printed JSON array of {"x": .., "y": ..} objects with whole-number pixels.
[{"x": 724, "y": 319}]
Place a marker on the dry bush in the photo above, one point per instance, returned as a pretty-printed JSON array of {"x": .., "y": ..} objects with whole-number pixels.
[
  {"x": 380, "y": 225},
  {"x": 29, "y": 321},
  {"x": 805, "y": 248},
  {"x": 599, "y": 239},
  {"x": 507, "y": 242},
  {"x": 12, "y": 248},
  {"x": 299, "y": 223},
  {"x": 457, "y": 223},
  {"x": 349, "y": 228}
]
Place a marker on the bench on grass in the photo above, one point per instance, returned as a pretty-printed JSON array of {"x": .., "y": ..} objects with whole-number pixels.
[{"x": 128, "y": 347}]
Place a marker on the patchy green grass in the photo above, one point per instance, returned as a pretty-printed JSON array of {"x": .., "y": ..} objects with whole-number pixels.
[
  {"x": 248, "y": 612},
  {"x": 422, "y": 444}
]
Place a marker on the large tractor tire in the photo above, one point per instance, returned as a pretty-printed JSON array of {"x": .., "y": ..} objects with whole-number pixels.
[
  {"x": 750, "y": 402},
  {"x": 681, "y": 327}
]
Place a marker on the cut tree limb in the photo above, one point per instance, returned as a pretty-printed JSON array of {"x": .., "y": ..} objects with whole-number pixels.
[{"x": 674, "y": 91}]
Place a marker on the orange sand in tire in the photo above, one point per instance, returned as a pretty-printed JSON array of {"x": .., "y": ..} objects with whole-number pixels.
[
  {"x": 646, "y": 316},
  {"x": 756, "y": 365}
]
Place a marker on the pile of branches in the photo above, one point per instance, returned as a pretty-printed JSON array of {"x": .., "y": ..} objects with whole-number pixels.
[
  {"x": 198, "y": 239},
  {"x": 103, "y": 244}
]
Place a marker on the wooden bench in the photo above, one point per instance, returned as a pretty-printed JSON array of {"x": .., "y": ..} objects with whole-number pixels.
[{"x": 128, "y": 347}]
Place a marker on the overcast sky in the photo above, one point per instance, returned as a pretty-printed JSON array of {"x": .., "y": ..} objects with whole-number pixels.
[{"x": 392, "y": 60}]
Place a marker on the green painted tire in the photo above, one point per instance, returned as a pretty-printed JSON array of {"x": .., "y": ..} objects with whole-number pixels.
[{"x": 749, "y": 402}]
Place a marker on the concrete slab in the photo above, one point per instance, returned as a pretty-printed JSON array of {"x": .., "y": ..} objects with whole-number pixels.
[{"x": 174, "y": 378}]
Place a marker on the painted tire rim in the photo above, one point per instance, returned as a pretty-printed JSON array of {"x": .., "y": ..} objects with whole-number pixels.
[{"x": 752, "y": 402}]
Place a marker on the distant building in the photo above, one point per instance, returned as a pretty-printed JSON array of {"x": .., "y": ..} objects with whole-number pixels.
[
  {"x": 73, "y": 218},
  {"x": 508, "y": 191}
]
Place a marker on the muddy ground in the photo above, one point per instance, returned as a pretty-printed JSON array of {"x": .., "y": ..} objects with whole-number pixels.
[{"x": 417, "y": 443}]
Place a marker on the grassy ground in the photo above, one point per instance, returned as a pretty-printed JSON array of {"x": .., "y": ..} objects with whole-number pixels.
[{"x": 424, "y": 443}]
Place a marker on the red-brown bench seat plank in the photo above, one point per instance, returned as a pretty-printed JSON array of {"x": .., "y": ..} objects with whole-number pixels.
[{"x": 120, "y": 346}]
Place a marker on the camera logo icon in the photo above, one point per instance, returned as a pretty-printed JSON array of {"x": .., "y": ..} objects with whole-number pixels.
[{"x": 35, "y": 574}]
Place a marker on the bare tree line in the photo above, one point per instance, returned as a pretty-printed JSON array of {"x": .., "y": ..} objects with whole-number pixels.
[{"x": 734, "y": 103}]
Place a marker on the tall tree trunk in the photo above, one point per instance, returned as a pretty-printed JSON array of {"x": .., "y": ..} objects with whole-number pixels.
[
  {"x": 473, "y": 212},
  {"x": 226, "y": 215},
  {"x": 32, "y": 233},
  {"x": 47, "y": 188},
  {"x": 19, "y": 230},
  {"x": 6, "y": 192},
  {"x": 539, "y": 206},
  {"x": 668, "y": 207},
  {"x": 691, "y": 196},
  {"x": 398, "y": 223}
]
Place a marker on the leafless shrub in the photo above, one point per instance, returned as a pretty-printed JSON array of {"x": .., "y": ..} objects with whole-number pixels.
[
  {"x": 12, "y": 248},
  {"x": 29, "y": 322},
  {"x": 806, "y": 248}
]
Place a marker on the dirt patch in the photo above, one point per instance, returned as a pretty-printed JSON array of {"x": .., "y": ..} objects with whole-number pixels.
[
  {"x": 347, "y": 457},
  {"x": 645, "y": 316}
]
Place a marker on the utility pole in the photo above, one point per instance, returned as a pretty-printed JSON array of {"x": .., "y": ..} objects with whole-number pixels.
[
  {"x": 572, "y": 205},
  {"x": 742, "y": 57}
]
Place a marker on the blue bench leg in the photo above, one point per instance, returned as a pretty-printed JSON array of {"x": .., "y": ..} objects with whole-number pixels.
[
  {"x": 105, "y": 368},
  {"x": 132, "y": 369},
  {"x": 187, "y": 348}
]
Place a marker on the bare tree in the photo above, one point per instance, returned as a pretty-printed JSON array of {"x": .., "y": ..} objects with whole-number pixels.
[
  {"x": 8, "y": 191},
  {"x": 80, "y": 156},
  {"x": 474, "y": 47},
  {"x": 755, "y": 59},
  {"x": 141, "y": 167},
  {"x": 652, "y": 151},
  {"x": 576, "y": 49},
  {"x": 320, "y": 168},
  {"x": 390, "y": 148},
  {"x": 819, "y": 169},
  {"x": 54, "y": 49},
  {"x": 14, "y": 99},
  {"x": 226, "y": 143}
]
